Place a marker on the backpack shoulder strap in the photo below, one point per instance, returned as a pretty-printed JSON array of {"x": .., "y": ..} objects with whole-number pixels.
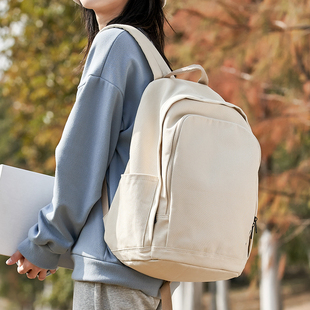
[
  {"x": 166, "y": 299},
  {"x": 157, "y": 63}
]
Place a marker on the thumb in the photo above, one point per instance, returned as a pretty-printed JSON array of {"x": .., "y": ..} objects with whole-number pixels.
[{"x": 14, "y": 258}]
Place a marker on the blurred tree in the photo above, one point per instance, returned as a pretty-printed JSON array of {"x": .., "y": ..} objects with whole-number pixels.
[
  {"x": 19, "y": 290},
  {"x": 37, "y": 92},
  {"x": 41, "y": 82},
  {"x": 8, "y": 145},
  {"x": 257, "y": 55},
  {"x": 255, "y": 51},
  {"x": 57, "y": 296}
]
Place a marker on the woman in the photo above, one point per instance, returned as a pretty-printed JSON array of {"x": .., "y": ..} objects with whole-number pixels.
[{"x": 95, "y": 145}]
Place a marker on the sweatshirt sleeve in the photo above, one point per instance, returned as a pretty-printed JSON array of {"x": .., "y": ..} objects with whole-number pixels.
[{"x": 82, "y": 157}]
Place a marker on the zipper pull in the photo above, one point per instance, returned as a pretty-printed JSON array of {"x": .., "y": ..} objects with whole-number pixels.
[
  {"x": 254, "y": 227},
  {"x": 255, "y": 224}
]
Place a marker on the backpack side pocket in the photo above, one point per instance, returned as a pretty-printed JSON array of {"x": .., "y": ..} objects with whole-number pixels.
[{"x": 127, "y": 219}]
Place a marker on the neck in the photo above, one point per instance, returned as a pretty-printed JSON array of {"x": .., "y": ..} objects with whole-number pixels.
[
  {"x": 105, "y": 16},
  {"x": 102, "y": 20}
]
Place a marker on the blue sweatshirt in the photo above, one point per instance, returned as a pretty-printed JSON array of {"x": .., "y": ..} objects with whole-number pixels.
[{"x": 94, "y": 145}]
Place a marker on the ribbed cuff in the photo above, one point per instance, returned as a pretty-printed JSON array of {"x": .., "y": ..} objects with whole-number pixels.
[{"x": 41, "y": 256}]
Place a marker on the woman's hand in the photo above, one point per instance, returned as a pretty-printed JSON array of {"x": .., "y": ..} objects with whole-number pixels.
[{"x": 25, "y": 267}]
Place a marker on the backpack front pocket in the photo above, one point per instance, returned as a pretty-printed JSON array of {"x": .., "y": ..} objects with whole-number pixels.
[{"x": 213, "y": 186}]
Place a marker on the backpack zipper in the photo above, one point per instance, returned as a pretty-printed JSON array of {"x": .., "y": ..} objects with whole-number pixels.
[
  {"x": 169, "y": 169},
  {"x": 254, "y": 227}
]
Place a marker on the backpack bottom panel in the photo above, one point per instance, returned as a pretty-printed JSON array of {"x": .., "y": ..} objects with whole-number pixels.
[
  {"x": 178, "y": 272},
  {"x": 173, "y": 265}
]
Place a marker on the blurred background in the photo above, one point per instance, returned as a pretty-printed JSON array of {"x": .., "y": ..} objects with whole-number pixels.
[{"x": 257, "y": 56}]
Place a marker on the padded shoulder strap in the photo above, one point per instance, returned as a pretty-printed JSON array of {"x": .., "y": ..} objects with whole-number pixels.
[{"x": 157, "y": 63}]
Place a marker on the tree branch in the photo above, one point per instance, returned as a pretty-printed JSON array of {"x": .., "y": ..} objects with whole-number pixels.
[
  {"x": 301, "y": 64},
  {"x": 215, "y": 20},
  {"x": 239, "y": 74},
  {"x": 249, "y": 77},
  {"x": 281, "y": 25},
  {"x": 229, "y": 9},
  {"x": 297, "y": 231},
  {"x": 283, "y": 193}
]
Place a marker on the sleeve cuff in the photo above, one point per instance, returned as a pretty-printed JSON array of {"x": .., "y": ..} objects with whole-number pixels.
[{"x": 41, "y": 256}]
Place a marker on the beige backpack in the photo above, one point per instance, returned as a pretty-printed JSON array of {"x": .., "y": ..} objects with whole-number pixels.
[{"x": 185, "y": 208}]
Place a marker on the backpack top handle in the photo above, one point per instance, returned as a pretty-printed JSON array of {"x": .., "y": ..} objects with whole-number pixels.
[{"x": 192, "y": 68}]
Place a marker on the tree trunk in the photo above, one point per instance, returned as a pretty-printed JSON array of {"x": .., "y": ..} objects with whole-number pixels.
[
  {"x": 222, "y": 295},
  {"x": 269, "y": 285},
  {"x": 187, "y": 296},
  {"x": 212, "y": 290}
]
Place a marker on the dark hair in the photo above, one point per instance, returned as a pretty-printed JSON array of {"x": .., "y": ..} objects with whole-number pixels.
[{"x": 147, "y": 15}]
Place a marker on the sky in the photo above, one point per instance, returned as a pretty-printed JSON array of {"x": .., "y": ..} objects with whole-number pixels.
[
  {"x": 16, "y": 28},
  {"x": 3, "y": 44}
]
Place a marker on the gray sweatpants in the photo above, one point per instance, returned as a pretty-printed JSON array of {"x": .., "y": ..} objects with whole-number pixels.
[{"x": 100, "y": 296}]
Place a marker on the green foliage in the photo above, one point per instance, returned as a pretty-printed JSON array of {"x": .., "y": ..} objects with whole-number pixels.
[
  {"x": 297, "y": 250},
  {"x": 41, "y": 83},
  {"x": 8, "y": 145},
  {"x": 285, "y": 159},
  {"x": 21, "y": 291},
  {"x": 36, "y": 96},
  {"x": 60, "y": 296}
]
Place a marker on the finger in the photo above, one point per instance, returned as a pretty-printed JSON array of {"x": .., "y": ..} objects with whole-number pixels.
[
  {"x": 14, "y": 258},
  {"x": 42, "y": 274},
  {"x": 32, "y": 274},
  {"x": 26, "y": 267},
  {"x": 53, "y": 271},
  {"x": 20, "y": 261},
  {"x": 22, "y": 269}
]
